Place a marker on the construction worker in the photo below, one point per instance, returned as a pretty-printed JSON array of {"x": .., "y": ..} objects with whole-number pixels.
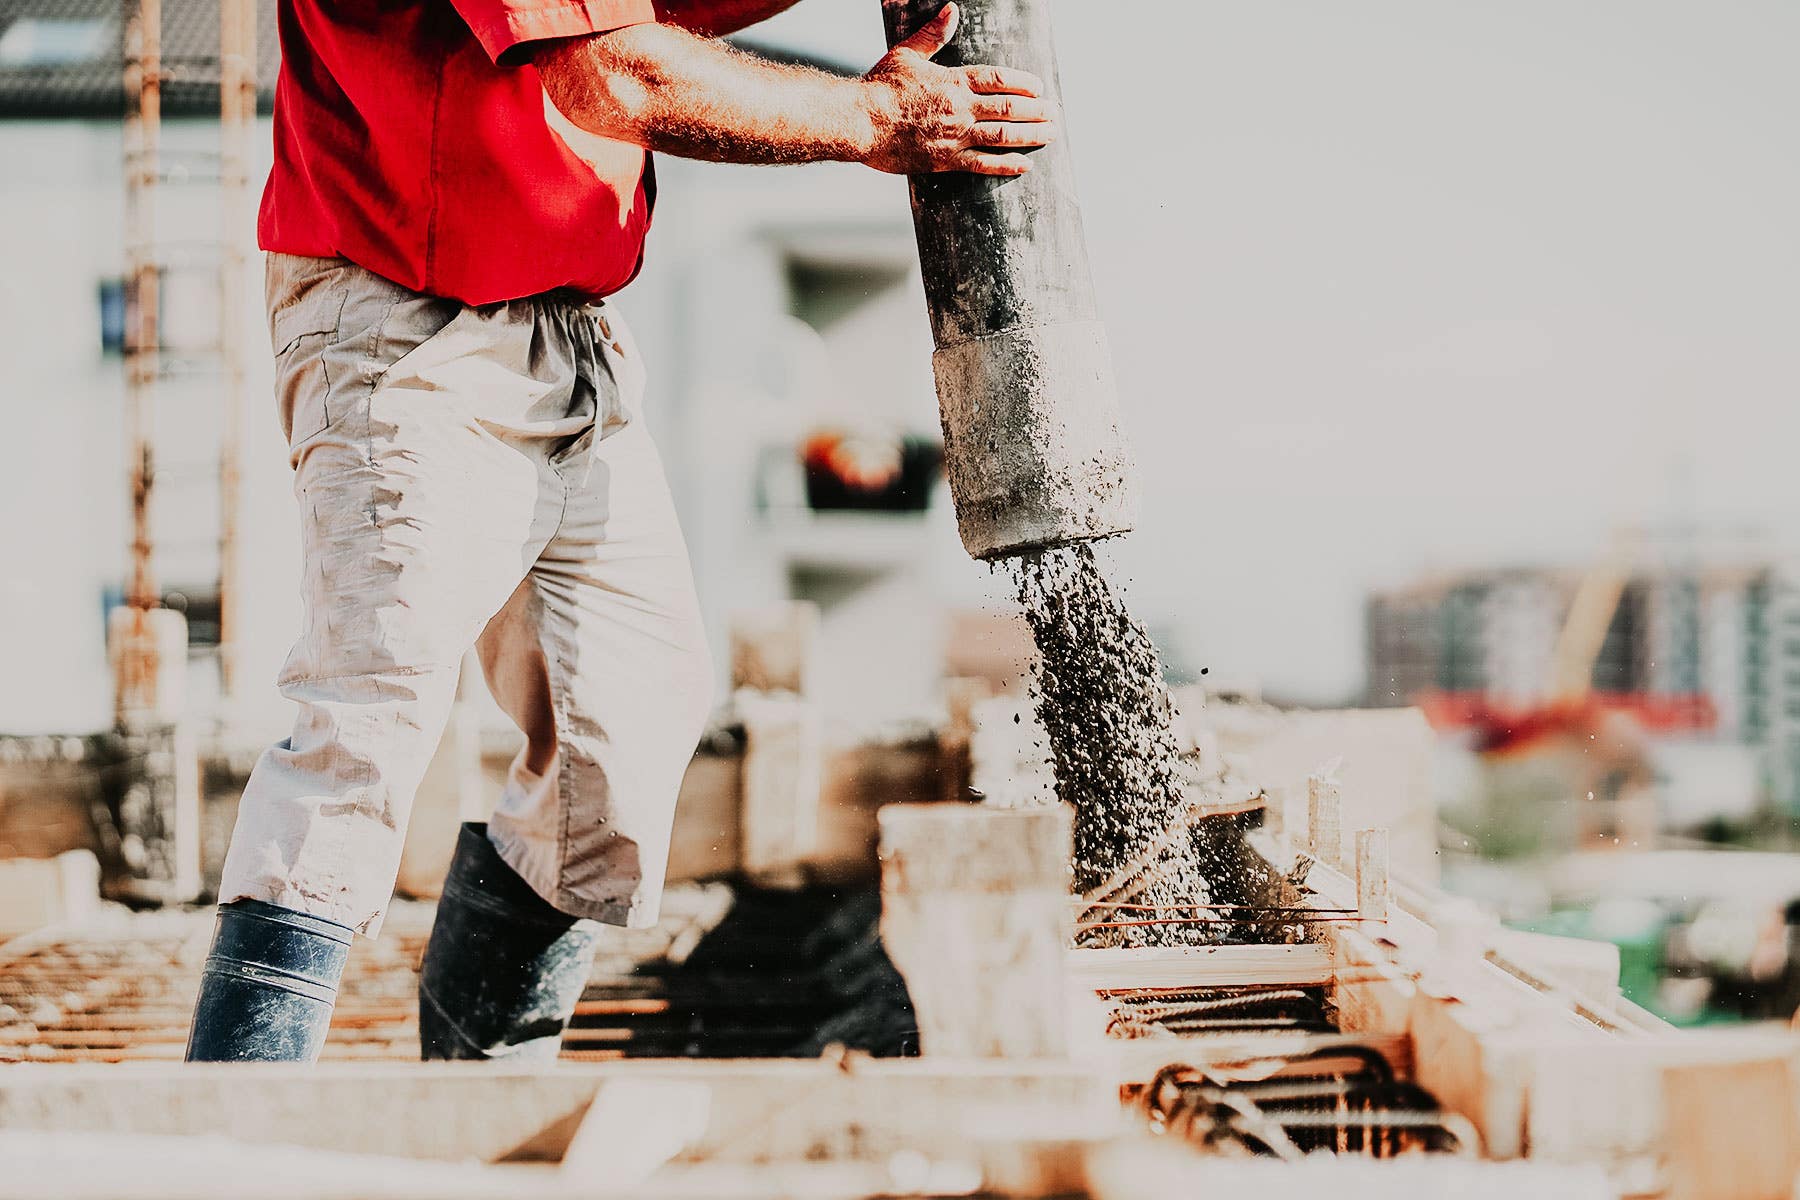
[{"x": 458, "y": 187}]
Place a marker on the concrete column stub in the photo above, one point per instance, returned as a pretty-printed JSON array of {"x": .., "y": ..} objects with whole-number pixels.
[{"x": 976, "y": 915}]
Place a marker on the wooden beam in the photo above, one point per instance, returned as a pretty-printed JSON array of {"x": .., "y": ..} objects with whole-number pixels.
[
  {"x": 1372, "y": 874},
  {"x": 757, "y": 1110},
  {"x": 1731, "y": 1130},
  {"x": 40, "y": 892},
  {"x": 1324, "y": 820},
  {"x": 632, "y": 1129},
  {"x": 1308, "y": 964},
  {"x": 1132, "y": 1169},
  {"x": 776, "y": 649},
  {"x": 1136, "y": 1060},
  {"x": 1606, "y": 1099},
  {"x": 784, "y": 771}
]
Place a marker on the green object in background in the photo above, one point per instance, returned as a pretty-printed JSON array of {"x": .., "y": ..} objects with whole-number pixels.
[{"x": 1640, "y": 954}]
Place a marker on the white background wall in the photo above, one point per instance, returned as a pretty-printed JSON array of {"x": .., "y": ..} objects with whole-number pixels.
[{"x": 62, "y": 456}]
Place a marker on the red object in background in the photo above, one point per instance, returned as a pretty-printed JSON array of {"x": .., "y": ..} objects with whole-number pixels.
[
  {"x": 404, "y": 144},
  {"x": 862, "y": 464},
  {"x": 859, "y": 472},
  {"x": 1503, "y": 729}
]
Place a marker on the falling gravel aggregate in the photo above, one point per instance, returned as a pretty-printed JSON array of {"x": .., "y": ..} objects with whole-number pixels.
[{"x": 1101, "y": 698}]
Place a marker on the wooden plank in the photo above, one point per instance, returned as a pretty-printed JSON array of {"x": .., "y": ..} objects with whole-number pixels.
[
  {"x": 1324, "y": 819},
  {"x": 782, "y": 1109},
  {"x": 1131, "y": 1169},
  {"x": 1731, "y": 1130},
  {"x": 632, "y": 1129},
  {"x": 1605, "y": 1100},
  {"x": 776, "y": 649},
  {"x": 784, "y": 751},
  {"x": 39, "y": 892},
  {"x": 1372, "y": 892},
  {"x": 1201, "y": 966},
  {"x": 85, "y": 1166},
  {"x": 1372, "y": 993},
  {"x": 1136, "y": 1060}
]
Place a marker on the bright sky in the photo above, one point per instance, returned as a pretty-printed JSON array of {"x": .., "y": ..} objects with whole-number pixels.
[{"x": 1398, "y": 285}]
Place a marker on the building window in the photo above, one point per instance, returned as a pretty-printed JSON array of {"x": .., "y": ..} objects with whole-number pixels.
[
  {"x": 48, "y": 42},
  {"x": 199, "y": 604},
  {"x": 112, "y": 316}
]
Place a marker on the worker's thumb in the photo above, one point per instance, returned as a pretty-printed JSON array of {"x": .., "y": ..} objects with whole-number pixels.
[{"x": 936, "y": 33}]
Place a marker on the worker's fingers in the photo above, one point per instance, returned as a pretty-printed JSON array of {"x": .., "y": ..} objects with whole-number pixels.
[
  {"x": 1008, "y": 107},
  {"x": 991, "y": 80},
  {"x": 982, "y": 162},
  {"x": 936, "y": 33},
  {"x": 1012, "y": 133}
]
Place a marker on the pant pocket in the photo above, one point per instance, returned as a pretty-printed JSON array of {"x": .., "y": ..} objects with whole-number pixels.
[
  {"x": 303, "y": 387},
  {"x": 327, "y": 379}
]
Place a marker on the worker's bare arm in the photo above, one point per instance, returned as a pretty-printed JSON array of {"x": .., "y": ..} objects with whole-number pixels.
[
  {"x": 668, "y": 90},
  {"x": 716, "y": 18}
]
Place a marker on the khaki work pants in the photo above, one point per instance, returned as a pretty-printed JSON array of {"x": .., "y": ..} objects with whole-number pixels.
[{"x": 472, "y": 477}]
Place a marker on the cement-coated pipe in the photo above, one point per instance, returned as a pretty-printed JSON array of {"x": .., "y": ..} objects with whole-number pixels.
[{"x": 1024, "y": 373}]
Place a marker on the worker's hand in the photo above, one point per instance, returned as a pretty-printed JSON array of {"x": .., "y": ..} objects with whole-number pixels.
[{"x": 932, "y": 118}]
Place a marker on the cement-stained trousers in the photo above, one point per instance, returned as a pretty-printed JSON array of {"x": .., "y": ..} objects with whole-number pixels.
[{"x": 472, "y": 477}]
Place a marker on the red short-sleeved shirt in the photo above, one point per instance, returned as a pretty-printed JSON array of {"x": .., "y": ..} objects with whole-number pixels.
[{"x": 404, "y": 144}]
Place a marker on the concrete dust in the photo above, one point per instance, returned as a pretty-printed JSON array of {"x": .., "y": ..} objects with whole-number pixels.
[{"x": 1101, "y": 699}]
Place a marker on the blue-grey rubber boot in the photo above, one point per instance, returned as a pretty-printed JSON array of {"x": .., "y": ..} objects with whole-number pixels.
[
  {"x": 269, "y": 985},
  {"x": 503, "y": 970}
]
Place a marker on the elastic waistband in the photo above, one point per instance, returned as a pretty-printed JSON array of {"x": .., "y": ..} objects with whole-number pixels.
[
  {"x": 564, "y": 297},
  {"x": 570, "y": 298}
]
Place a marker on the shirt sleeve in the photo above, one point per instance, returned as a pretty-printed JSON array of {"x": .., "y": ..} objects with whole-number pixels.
[{"x": 502, "y": 25}]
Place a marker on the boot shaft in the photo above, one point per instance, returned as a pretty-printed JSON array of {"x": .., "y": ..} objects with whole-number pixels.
[{"x": 269, "y": 985}]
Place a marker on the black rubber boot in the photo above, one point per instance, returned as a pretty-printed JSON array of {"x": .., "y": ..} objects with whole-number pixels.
[
  {"x": 269, "y": 985},
  {"x": 503, "y": 970}
]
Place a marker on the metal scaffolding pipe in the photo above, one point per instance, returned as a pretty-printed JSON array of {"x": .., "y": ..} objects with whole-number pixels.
[
  {"x": 137, "y": 667},
  {"x": 237, "y": 113}
]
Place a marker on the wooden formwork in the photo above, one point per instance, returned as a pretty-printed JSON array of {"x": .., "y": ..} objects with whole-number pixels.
[
  {"x": 1524, "y": 1040},
  {"x": 844, "y": 1127},
  {"x": 1526, "y": 1037}
]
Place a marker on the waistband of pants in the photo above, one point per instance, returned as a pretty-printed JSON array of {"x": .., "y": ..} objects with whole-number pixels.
[
  {"x": 570, "y": 298},
  {"x": 565, "y": 297}
]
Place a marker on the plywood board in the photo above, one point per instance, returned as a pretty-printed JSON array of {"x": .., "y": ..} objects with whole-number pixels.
[
  {"x": 1132, "y": 1170},
  {"x": 1731, "y": 1130},
  {"x": 458, "y": 1112},
  {"x": 1201, "y": 966}
]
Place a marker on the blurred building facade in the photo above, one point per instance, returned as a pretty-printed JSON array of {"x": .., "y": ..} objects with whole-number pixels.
[
  {"x": 63, "y": 208},
  {"x": 1708, "y": 653}
]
